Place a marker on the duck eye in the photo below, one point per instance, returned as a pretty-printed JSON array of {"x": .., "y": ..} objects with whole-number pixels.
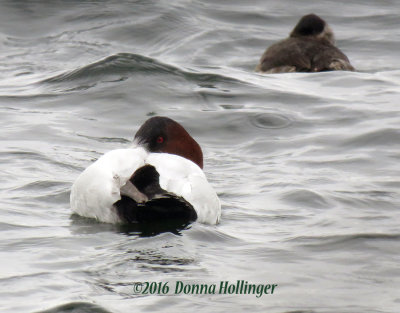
[{"x": 160, "y": 139}]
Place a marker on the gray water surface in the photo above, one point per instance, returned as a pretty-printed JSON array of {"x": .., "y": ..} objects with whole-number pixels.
[{"x": 306, "y": 165}]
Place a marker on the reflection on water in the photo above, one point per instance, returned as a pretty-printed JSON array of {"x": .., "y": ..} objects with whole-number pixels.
[
  {"x": 86, "y": 225},
  {"x": 76, "y": 307}
]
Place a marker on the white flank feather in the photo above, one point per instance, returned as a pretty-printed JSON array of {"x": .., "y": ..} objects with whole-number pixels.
[
  {"x": 98, "y": 186},
  {"x": 185, "y": 179}
]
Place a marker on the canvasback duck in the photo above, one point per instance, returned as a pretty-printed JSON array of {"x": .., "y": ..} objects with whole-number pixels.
[
  {"x": 309, "y": 48},
  {"x": 159, "y": 178}
]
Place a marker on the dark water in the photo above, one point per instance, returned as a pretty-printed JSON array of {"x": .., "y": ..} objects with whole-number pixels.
[{"x": 306, "y": 165}]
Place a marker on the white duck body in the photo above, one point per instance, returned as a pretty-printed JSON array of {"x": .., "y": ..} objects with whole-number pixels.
[{"x": 98, "y": 187}]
